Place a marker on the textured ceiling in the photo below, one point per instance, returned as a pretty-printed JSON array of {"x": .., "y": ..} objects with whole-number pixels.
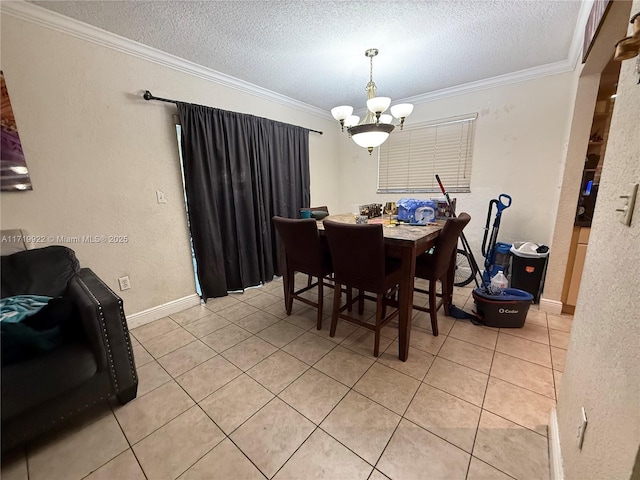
[{"x": 314, "y": 51}]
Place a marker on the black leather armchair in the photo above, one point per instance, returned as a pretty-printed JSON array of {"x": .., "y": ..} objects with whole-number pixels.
[{"x": 91, "y": 365}]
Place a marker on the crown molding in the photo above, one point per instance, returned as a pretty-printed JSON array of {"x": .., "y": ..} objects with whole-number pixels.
[
  {"x": 55, "y": 21},
  {"x": 75, "y": 28}
]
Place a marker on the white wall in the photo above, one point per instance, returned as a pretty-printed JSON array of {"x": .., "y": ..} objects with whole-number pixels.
[
  {"x": 602, "y": 371},
  {"x": 520, "y": 144},
  {"x": 97, "y": 153}
]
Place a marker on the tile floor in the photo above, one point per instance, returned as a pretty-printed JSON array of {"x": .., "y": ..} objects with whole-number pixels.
[{"x": 238, "y": 390}]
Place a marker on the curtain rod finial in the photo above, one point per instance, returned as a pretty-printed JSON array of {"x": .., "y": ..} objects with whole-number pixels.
[{"x": 147, "y": 95}]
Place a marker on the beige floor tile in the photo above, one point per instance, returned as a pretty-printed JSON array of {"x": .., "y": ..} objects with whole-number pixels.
[
  {"x": 280, "y": 333},
  {"x": 362, "y": 340},
  {"x": 303, "y": 317},
  {"x": 206, "y": 325},
  {"x": 257, "y": 322},
  {"x": 309, "y": 348},
  {"x": 416, "y": 365},
  {"x": 521, "y": 406},
  {"x": 425, "y": 341},
  {"x": 226, "y": 337},
  {"x": 376, "y": 475},
  {"x": 511, "y": 448},
  {"x": 559, "y": 339},
  {"x": 272, "y": 435},
  {"x": 249, "y": 352},
  {"x": 150, "y": 330},
  {"x": 224, "y": 462},
  {"x": 557, "y": 322},
  {"x": 478, "y": 470},
  {"x": 234, "y": 403},
  {"x": 388, "y": 387},
  {"x": 322, "y": 457},
  {"x": 344, "y": 365},
  {"x": 237, "y": 311},
  {"x": 142, "y": 416},
  {"x": 525, "y": 349},
  {"x": 557, "y": 378},
  {"x": 277, "y": 371},
  {"x": 559, "y": 356},
  {"x": 478, "y": 335},
  {"x": 532, "y": 332},
  {"x": 423, "y": 320},
  {"x": 415, "y": 453},
  {"x": 75, "y": 453},
  {"x": 150, "y": 377},
  {"x": 221, "y": 303},
  {"x": 141, "y": 356},
  {"x": 190, "y": 315},
  {"x": 14, "y": 465},
  {"x": 361, "y": 425},
  {"x": 208, "y": 377},
  {"x": 277, "y": 309},
  {"x": 536, "y": 317},
  {"x": 458, "y": 380},
  {"x": 172, "y": 449},
  {"x": 262, "y": 300},
  {"x": 467, "y": 354},
  {"x": 445, "y": 415},
  {"x": 185, "y": 358},
  {"x": 343, "y": 330},
  {"x": 168, "y": 342},
  {"x": 524, "y": 374},
  {"x": 125, "y": 466},
  {"x": 314, "y": 395}
]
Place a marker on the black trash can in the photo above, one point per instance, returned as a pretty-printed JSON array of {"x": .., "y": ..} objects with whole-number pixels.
[{"x": 528, "y": 268}]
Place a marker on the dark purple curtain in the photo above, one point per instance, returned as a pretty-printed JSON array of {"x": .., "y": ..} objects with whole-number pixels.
[{"x": 240, "y": 171}]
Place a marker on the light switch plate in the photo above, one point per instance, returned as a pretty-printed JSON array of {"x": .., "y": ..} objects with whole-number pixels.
[{"x": 629, "y": 199}]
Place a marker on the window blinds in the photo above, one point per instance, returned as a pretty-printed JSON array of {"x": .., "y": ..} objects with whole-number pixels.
[{"x": 409, "y": 160}]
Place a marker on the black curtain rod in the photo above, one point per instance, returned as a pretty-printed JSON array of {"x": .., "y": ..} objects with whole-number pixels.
[{"x": 148, "y": 96}]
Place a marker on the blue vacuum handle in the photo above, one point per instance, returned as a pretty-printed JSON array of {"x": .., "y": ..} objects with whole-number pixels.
[{"x": 504, "y": 201}]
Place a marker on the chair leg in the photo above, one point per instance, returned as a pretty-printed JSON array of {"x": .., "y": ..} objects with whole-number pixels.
[
  {"x": 289, "y": 295},
  {"x": 309, "y": 281},
  {"x": 446, "y": 296},
  {"x": 432, "y": 307},
  {"x": 349, "y": 298},
  {"x": 320, "y": 303},
  {"x": 379, "y": 304},
  {"x": 337, "y": 296},
  {"x": 361, "y": 302}
]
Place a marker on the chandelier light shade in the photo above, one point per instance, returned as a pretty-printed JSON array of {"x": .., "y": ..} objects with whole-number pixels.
[{"x": 376, "y": 126}]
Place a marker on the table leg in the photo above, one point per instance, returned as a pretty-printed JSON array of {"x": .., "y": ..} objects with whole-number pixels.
[{"x": 405, "y": 300}]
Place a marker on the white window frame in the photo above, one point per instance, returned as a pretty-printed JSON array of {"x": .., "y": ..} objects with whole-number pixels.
[{"x": 416, "y": 174}]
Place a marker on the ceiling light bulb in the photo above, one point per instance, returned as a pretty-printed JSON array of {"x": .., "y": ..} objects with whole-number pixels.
[
  {"x": 351, "y": 121},
  {"x": 341, "y": 112},
  {"x": 402, "y": 110},
  {"x": 378, "y": 104}
]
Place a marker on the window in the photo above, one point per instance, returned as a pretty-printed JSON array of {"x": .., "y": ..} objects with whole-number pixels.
[{"x": 409, "y": 160}]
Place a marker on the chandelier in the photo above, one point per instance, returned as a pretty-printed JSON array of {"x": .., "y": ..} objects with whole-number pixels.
[{"x": 376, "y": 126}]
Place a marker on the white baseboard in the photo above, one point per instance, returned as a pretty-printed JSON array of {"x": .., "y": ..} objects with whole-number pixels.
[
  {"x": 555, "y": 455},
  {"x": 551, "y": 306},
  {"x": 169, "y": 308}
]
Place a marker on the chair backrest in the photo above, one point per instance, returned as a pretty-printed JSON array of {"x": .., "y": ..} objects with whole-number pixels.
[
  {"x": 357, "y": 253},
  {"x": 447, "y": 242},
  {"x": 302, "y": 245}
]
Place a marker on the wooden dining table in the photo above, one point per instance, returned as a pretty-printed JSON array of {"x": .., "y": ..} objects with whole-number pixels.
[{"x": 404, "y": 242}]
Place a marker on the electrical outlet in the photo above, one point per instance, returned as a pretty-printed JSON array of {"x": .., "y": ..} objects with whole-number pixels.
[
  {"x": 629, "y": 201},
  {"x": 124, "y": 283},
  {"x": 582, "y": 428},
  {"x": 161, "y": 197}
]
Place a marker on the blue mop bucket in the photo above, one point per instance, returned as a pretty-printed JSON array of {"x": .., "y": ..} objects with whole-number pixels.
[{"x": 508, "y": 310}]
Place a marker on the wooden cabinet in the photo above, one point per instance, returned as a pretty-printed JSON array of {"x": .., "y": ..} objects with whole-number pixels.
[{"x": 577, "y": 254}]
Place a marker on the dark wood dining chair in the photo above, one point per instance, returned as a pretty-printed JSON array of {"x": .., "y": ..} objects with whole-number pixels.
[
  {"x": 435, "y": 266},
  {"x": 359, "y": 262},
  {"x": 305, "y": 253},
  {"x": 323, "y": 208}
]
